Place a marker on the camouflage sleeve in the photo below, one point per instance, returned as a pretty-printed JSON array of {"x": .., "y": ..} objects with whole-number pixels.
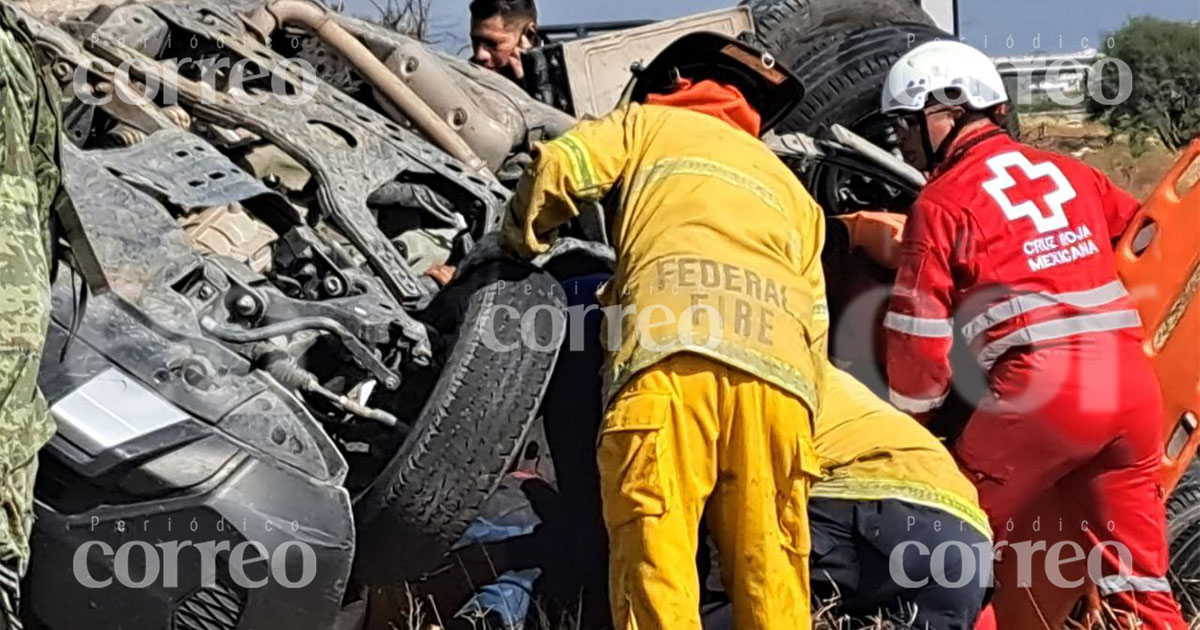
[
  {"x": 29, "y": 182},
  {"x": 16, "y": 523}
]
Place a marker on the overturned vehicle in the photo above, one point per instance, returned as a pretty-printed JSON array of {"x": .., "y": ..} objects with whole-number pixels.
[{"x": 265, "y": 401}]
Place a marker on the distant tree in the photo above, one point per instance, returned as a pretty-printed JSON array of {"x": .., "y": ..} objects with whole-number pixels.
[
  {"x": 411, "y": 17},
  {"x": 1163, "y": 58}
]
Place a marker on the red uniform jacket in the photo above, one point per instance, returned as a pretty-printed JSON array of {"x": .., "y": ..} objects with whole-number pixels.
[{"x": 1012, "y": 247}]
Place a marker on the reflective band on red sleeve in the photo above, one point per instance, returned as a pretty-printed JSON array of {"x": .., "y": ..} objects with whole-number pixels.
[
  {"x": 919, "y": 326},
  {"x": 916, "y": 405}
]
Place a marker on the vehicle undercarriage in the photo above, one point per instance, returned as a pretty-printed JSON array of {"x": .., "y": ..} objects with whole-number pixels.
[{"x": 247, "y": 352}]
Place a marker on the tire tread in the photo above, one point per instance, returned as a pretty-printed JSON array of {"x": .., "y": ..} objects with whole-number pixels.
[{"x": 466, "y": 439}]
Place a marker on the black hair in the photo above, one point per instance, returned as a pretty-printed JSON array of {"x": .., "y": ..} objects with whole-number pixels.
[{"x": 506, "y": 9}]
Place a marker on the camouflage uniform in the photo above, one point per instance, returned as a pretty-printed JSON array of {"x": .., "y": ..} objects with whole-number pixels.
[{"x": 29, "y": 182}]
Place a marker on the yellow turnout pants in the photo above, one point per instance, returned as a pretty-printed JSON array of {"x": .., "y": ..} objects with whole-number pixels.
[{"x": 690, "y": 432}]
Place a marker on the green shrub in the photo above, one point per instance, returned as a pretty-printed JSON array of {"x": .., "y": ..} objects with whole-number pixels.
[{"x": 1164, "y": 97}]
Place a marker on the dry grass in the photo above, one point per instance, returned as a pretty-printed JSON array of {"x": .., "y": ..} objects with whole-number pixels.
[
  {"x": 1108, "y": 619},
  {"x": 826, "y": 619},
  {"x": 1094, "y": 143},
  {"x": 418, "y": 617},
  {"x": 422, "y": 615}
]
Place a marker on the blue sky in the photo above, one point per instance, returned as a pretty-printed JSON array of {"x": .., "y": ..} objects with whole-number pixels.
[{"x": 986, "y": 23}]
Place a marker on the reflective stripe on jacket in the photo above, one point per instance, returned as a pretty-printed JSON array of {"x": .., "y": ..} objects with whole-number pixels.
[
  {"x": 868, "y": 451},
  {"x": 718, "y": 245}
]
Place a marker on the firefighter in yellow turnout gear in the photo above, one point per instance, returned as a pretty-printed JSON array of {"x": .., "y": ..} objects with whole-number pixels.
[
  {"x": 718, "y": 373},
  {"x": 897, "y": 531},
  {"x": 870, "y": 451},
  {"x": 897, "y": 528}
]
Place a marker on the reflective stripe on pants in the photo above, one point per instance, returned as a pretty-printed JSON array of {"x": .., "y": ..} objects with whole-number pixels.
[
  {"x": 1079, "y": 461},
  {"x": 1115, "y": 584}
]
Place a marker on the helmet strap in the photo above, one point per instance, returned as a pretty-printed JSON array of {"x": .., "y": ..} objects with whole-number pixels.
[
  {"x": 931, "y": 156},
  {"x": 938, "y": 156}
]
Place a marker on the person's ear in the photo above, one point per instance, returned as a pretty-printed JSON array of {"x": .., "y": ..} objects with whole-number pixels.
[
  {"x": 529, "y": 36},
  {"x": 1000, "y": 115}
]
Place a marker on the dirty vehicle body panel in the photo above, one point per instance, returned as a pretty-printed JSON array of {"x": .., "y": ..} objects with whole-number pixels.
[
  {"x": 216, "y": 452},
  {"x": 594, "y": 71}
]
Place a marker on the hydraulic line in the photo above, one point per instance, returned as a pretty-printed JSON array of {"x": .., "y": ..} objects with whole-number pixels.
[
  {"x": 361, "y": 353},
  {"x": 288, "y": 373}
]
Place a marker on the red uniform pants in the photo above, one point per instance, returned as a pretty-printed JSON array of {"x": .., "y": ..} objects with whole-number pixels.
[{"x": 1077, "y": 428}]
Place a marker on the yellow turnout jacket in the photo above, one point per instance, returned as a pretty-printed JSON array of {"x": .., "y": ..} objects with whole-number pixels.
[
  {"x": 718, "y": 245},
  {"x": 870, "y": 451}
]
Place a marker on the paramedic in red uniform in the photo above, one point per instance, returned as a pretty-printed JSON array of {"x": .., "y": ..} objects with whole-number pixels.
[{"x": 1011, "y": 248}]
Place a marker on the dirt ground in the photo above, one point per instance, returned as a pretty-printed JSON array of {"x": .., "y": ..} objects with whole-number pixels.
[{"x": 1092, "y": 142}]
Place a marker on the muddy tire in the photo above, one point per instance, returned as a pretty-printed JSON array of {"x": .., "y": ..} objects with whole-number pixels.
[
  {"x": 1183, "y": 538},
  {"x": 472, "y": 427},
  {"x": 789, "y": 27},
  {"x": 844, "y": 76}
]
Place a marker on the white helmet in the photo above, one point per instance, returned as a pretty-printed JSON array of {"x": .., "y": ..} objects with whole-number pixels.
[{"x": 939, "y": 65}]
